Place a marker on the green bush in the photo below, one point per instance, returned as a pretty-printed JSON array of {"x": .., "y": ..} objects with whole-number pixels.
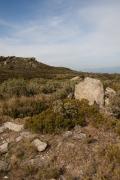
[
  {"x": 63, "y": 115},
  {"x": 48, "y": 122},
  {"x": 48, "y": 88},
  {"x": 65, "y": 89},
  {"x": 14, "y": 87},
  {"x": 35, "y": 86},
  {"x": 22, "y": 107}
]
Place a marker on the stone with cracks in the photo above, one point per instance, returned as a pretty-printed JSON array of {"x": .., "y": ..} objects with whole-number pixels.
[{"x": 90, "y": 89}]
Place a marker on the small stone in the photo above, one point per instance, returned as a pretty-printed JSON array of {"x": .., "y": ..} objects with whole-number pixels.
[
  {"x": 67, "y": 134},
  {"x": 5, "y": 177},
  {"x": 41, "y": 146},
  {"x": 13, "y": 126},
  {"x": 19, "y": 138},
  {"x": 4, "y": 147},
  {"x": 79, "y": 136}
]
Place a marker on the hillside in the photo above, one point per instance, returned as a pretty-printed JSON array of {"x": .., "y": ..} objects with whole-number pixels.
[
  {"x": 58, "y": 124},
  {"x": 17, "y": 67}
]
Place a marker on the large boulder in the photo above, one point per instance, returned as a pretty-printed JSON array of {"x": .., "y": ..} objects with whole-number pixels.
[{"x": 90, "y": 89}]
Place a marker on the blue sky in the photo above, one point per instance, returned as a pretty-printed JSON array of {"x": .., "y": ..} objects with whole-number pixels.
[{"x": 73, "y": 33}]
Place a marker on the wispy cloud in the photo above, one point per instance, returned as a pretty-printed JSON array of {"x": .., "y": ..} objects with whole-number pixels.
[
  {"x": 4, "y": 23},
  {"x": 83, "y": 36}
]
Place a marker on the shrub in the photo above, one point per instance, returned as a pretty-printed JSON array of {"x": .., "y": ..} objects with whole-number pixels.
[
  {"x": 112, "y": 153},
  {"x": 35, "y": 86},
  {"x": 66, "y": 88},
  {"x": 48, "y": 122},
  {"x": 48, "y": 88},
  {"x": 117, "y": 128},
  {"x": 13, "y": 87},
  {"x": 49, "y": 173},
  {"x": 21, "y": 107},
  {"x": 63, "y": 115}
]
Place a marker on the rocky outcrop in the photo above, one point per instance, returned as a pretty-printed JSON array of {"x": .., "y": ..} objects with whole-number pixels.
[
  {"x": 109, "y": 94},
  {"x": 90, "y": 89}
]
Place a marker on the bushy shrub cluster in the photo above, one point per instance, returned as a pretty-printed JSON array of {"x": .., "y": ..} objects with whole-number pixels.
[
  {"x": 63, "y": 115},
  {"x": 13, "y": 87},
  {"x": 113, "y": 153},
  {"x": 22, "y": 107},
  {"x": 49, "y": 173},
  {"x": 21, "y": 87},
  {"x": 17, "y": 88},
  {"x": 64, "y": 90}
]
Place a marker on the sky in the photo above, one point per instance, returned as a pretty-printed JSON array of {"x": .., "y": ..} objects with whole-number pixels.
[{"x": 78, "y": 34}]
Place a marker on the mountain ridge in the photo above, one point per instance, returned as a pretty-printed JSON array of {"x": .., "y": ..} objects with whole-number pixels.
[{"x": 19, "y": 67}]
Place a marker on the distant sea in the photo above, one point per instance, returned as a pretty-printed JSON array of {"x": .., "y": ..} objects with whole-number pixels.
[{"x": 103, "y": 70}]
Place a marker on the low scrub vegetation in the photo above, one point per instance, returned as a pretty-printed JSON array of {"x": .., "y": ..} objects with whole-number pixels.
[
  {"x": 64, "y": 114},
  {"x": 22, "y": 107}
]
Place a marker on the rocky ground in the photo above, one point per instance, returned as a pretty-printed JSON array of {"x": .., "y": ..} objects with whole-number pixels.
[{"x": 77, "y": 154}]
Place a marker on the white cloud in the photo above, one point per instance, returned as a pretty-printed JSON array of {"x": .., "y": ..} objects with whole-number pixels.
[{"x": 87, "y": 37}]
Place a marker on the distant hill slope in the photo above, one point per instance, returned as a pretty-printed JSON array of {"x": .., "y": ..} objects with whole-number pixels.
[{"x": 17, "y": 67}]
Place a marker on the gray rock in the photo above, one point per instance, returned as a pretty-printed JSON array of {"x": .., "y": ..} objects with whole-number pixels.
[
  {"x": 109, "y": 94},
  {"x": 79, "y": 136},
  {"x": 67, "y": 134},
  {"x": 19, "y": 138},
  {"x": 90, "y": 89},
  {"x": 13, "y": 127},
  {"x": 76, "y": 78},
  {"x": 4, "y": 148},
  {"x": 2, "y": 128},
  {"x": 41, "y": 146},
  {"x": 5, "y": 177}
]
